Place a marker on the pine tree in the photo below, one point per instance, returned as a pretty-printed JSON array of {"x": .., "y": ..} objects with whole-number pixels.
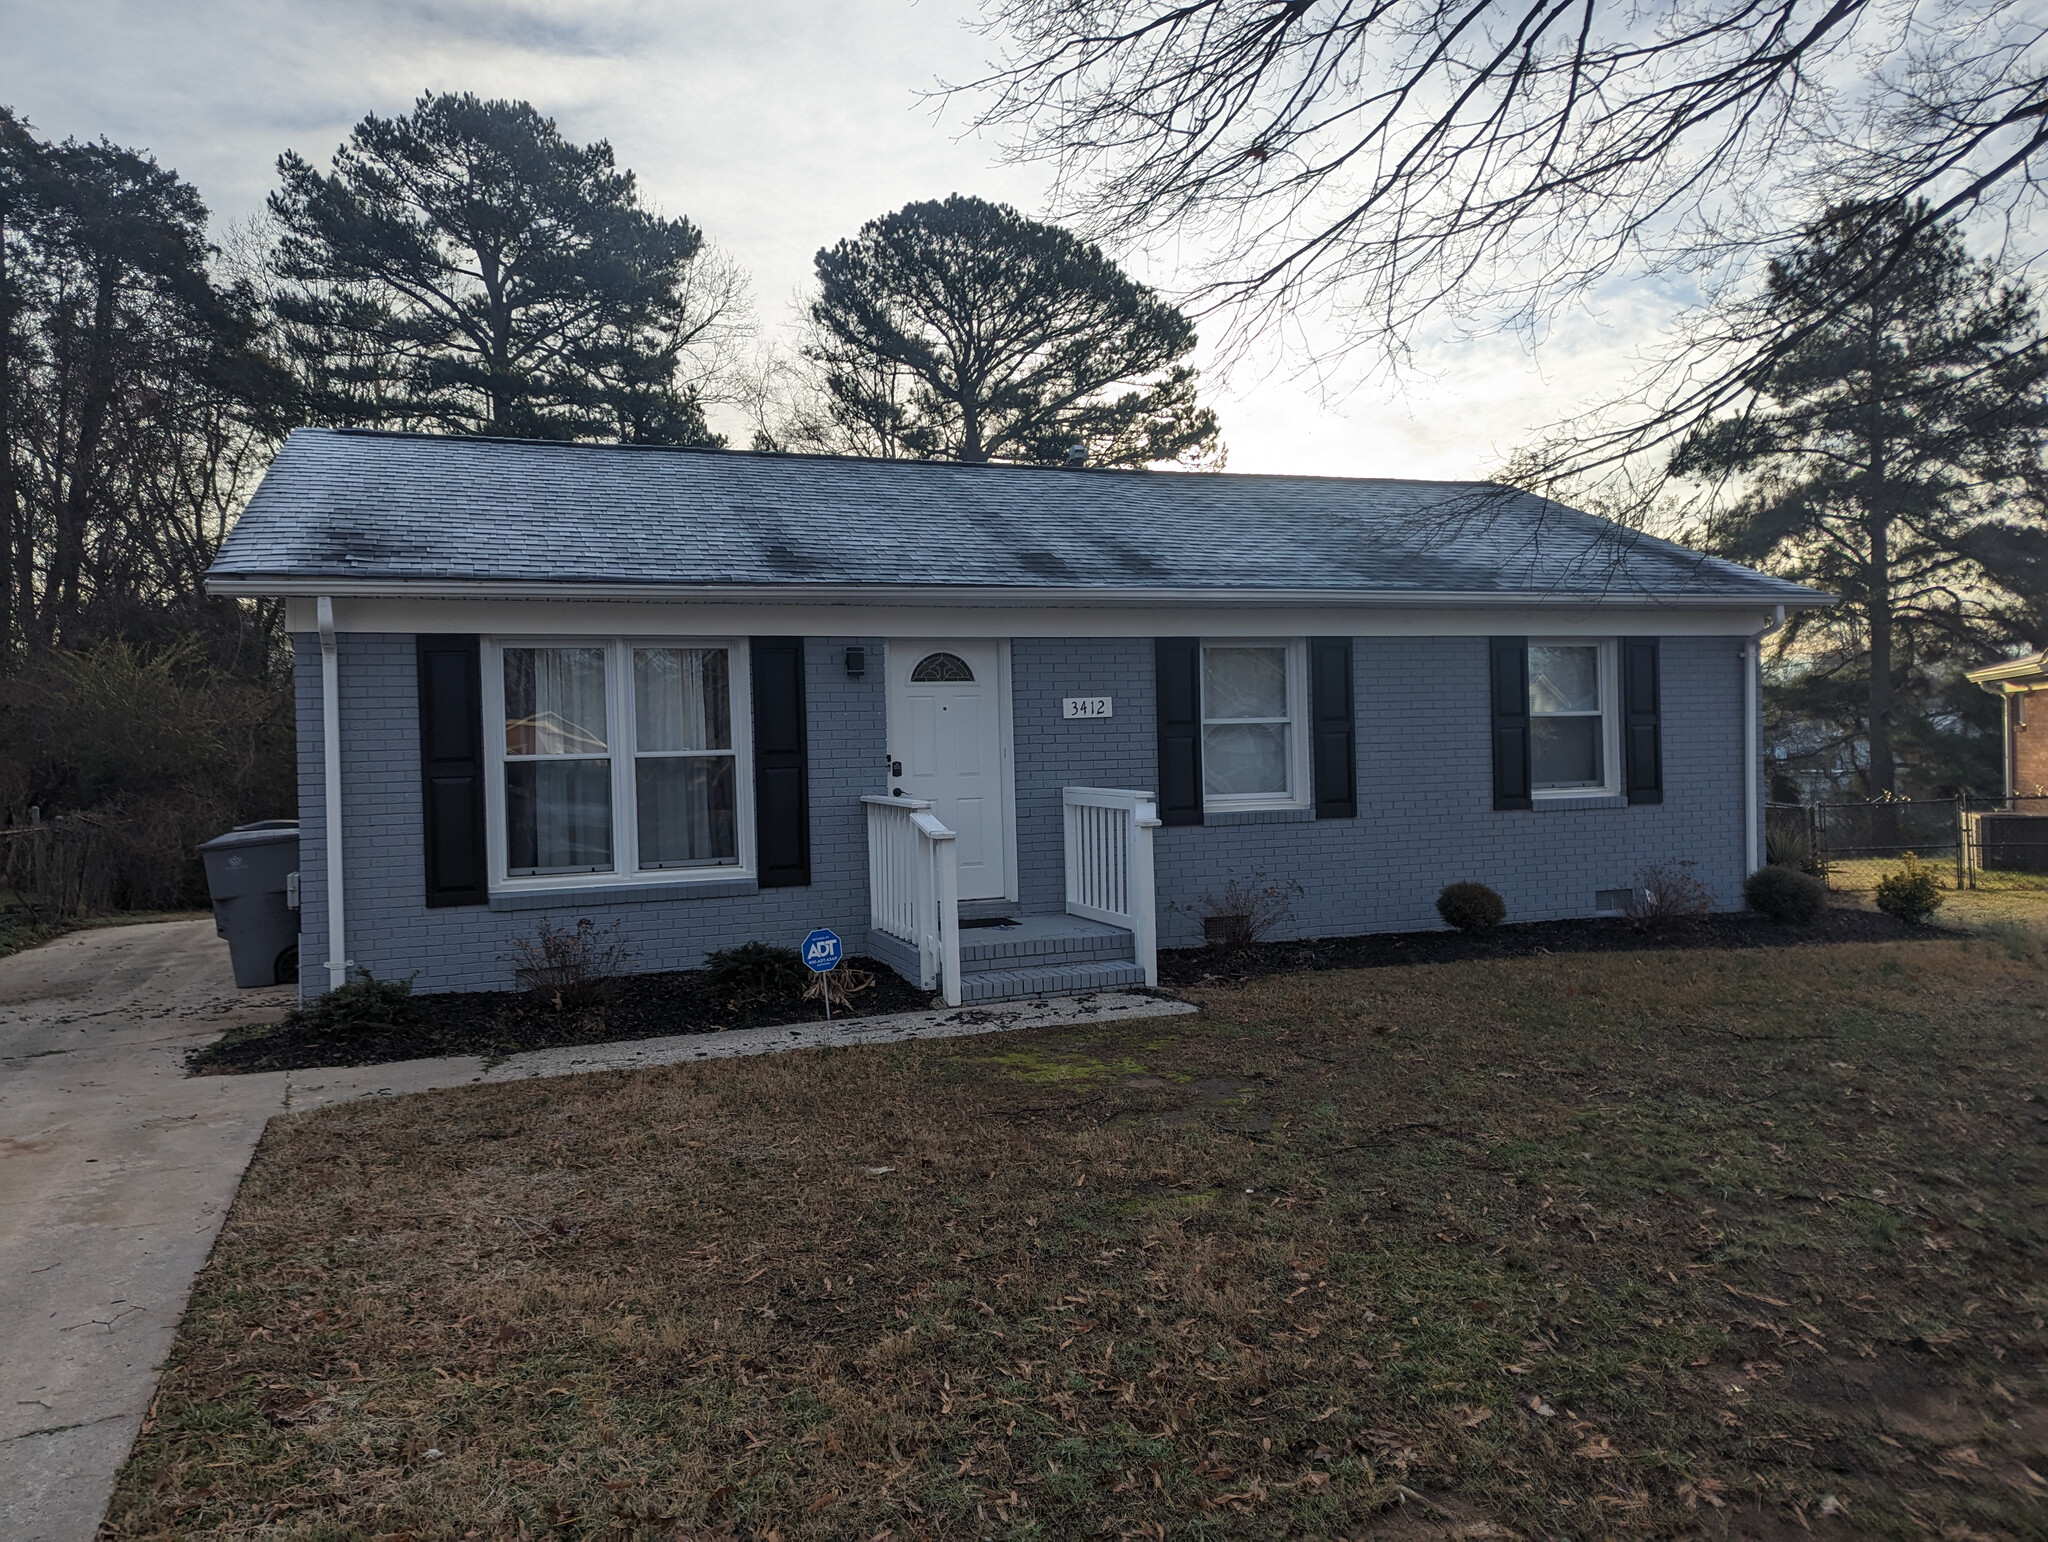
[
  {"x": 1892, "y": 457},
  {"x": 466, "y": 267},
  {"x": 961, "y": 330}
]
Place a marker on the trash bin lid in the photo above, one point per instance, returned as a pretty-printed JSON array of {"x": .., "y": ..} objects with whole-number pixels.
[{"x": 276, "y": 832}]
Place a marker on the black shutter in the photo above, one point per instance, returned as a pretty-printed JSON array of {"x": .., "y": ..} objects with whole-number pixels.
[
  {"x": 1333, "y": 734},
  {"x": 782, "y": 778},
  {"x": 452, "y": 770},
  {"x": 1642, "y": 756},
  {"x": 1509, "y": 661},
  {"x": 1179, "y": 677}
]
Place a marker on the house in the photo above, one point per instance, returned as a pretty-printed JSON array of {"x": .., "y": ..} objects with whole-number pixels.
[
  {"x": 2016, "y": 682},
  {"x": 2015, "y": 838},
  {"x": 1007, "y": 729}
]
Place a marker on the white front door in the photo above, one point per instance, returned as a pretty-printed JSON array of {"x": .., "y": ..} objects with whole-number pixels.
[{"x": 946, "y": 701}]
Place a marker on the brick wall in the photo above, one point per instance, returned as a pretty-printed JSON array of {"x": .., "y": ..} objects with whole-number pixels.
[
  {"x": 1425, "y": 808},
  {"x": 2029, "y": 743},
  {"x": 393, "y": 934},
  {"x": 1425, "y": 792}
]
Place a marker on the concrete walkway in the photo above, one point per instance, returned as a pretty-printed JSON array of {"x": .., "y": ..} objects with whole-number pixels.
[{"x": 116, "y": 1170}]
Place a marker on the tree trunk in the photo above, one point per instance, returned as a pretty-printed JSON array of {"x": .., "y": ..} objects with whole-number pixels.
[
  {"x": 9, "y": 517},
  {"x": 74, "y": 510},
  {"x": 1884, "y": 772},
  {"x": 971, "y": 451}
]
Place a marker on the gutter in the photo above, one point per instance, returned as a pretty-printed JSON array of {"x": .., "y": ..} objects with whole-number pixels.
[
  {"x": 330, "y": 750},
  {"x": 865, "y": 594},
  {"x": 1752, "y": 743}
]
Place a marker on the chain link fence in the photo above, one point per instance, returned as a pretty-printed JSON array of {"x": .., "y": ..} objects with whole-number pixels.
[{"x": 1979, "y": 835}]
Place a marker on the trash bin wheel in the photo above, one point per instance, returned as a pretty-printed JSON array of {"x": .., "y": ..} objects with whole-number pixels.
[{"x": 288, "y": 967}]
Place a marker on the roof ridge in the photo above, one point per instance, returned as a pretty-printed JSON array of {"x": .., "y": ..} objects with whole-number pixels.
[{"x": 728, "y": 452}]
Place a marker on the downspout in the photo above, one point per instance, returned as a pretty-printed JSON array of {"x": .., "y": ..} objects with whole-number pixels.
[
  {"x": 330, "y": 749},
  {"x": 1753, "y": 743}
]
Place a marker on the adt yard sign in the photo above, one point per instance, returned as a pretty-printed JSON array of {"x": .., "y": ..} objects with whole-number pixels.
[{"x": 822, "y": 951}]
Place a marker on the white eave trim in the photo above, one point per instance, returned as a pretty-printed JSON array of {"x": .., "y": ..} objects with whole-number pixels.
[
  {"x": 972, "y": 595},
  {"x": 1993, "y": 677}
]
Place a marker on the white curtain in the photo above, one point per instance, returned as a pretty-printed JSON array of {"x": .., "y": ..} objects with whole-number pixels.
[
  {"x": 682, "y": 707},
  {"x": 554, "y": 702},
  {"x": 1244, "y": 732},
  {"x": 682, "y": 699}
]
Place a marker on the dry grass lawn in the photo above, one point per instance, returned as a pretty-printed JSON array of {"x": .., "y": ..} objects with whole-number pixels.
[{"x": 1745, "y": 1244}]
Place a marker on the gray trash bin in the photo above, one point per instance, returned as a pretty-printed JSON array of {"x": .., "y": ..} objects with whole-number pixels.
[{"x": 248, "y": 873}]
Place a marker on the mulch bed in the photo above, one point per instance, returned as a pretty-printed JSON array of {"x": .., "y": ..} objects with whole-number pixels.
[
  {"x": 1198, "y": 966},
  {"x": 650, "y": 1006},
  {"x": 497, "y": 1023}
]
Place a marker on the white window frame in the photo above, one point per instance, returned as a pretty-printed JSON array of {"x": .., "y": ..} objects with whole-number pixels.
[
  {"x": 623, "y": 734},
  {"x": 1299, "y": 794},
  {"x": 1609, "y": 664}
]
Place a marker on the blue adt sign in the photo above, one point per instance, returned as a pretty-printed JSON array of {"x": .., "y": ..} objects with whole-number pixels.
[{"x": 822, "y": 951}]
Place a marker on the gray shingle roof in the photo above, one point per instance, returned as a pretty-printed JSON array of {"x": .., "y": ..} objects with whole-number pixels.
[{"x": 358, "y": 509}]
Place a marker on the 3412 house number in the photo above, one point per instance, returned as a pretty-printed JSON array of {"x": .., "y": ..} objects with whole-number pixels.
[{"x": 1084, "y": 706}]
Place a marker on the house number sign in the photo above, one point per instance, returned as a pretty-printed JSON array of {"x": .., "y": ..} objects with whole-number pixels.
[{"x": 1084, "y": 706}]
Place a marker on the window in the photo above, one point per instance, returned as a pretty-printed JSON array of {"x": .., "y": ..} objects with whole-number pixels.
[
  {"x": 558, "y": 768},
  {"x": 941, "y": 668},
  {"x": 1571, "y": 715},
  {"x": 618, "y": 761},
  {"x": 1253, "y": 755},
  {"x": 683, "y": 761}
]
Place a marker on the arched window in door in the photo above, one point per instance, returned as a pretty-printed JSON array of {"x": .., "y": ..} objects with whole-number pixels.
[{"x": 941, "y": 669}]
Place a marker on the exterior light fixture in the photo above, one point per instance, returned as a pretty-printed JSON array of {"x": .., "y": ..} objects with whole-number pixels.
[{"x": 856, "y": 663}]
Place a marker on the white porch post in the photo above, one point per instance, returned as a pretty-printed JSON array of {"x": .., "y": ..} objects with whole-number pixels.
[
  {"x": 330, "y": 749},
  {"x": 1144, "y": 908}
]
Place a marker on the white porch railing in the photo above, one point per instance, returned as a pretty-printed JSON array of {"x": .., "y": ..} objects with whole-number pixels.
[
  {"x": 914, "y": 887},
  {"x": 1109, "y": 865}
]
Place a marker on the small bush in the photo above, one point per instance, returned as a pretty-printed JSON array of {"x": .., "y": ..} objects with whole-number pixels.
[
  {"x": 1912, "y": 894},
  {"x": 571, "y": 970},
  {"x": 756, "y": 972},
  {"x": 1471, "y": 907},
  {"x": 1793, "y": 848},
  {"x": 1245, "y": 911},
  {"x": 363, "y": 1005},
  {"x": 1786, "y": 894},
  {"x": 1666, "y": 893}
]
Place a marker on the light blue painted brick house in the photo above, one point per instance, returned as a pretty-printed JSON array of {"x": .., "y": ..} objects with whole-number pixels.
[{"x": 1007, "y": 729}]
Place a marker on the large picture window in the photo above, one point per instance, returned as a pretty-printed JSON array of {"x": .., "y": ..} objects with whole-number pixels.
[
  {"x": 1252, "y": 725},
  {"x": 619, "y": 760},
  {"x": 1570, "y": 717}
]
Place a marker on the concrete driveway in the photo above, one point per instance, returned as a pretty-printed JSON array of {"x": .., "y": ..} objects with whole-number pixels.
[{"x": 115, "y": 1171}]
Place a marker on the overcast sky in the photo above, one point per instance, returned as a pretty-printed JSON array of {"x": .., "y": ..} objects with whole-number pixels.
[{"x": 777, "y": 126}]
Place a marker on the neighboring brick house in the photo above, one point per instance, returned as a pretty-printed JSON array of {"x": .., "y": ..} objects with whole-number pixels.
[
  {"x": 723, "y": 696},
  {"x": 2021, "y": 684}
]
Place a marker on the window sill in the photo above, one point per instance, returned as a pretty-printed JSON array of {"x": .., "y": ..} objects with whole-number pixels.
[
  {"x": 1257, "y": 816},
  {"x": 583, "y": 896},
  {"x": 1566, "y": 801}
]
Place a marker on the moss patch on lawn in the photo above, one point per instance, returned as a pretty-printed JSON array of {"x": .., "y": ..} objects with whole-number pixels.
[{"x": 1743, "y": 1244}]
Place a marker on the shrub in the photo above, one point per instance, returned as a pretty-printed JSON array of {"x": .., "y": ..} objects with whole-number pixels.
[
  {"x": 756, "y": 972},
  {"x": 1912, "y": 894},
  {"x": 1471, "y": 907},
  {"x": 571, "y": 970},
  {"x": 1794, "y": 848},
  {"x": 363, "y": 1005},
  {"x": 1786, "y": 894},
  {"x": 132, "y": 756},
  {"x": 1245, "y": 911},
  {"x": 1666, "y": 893}
]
